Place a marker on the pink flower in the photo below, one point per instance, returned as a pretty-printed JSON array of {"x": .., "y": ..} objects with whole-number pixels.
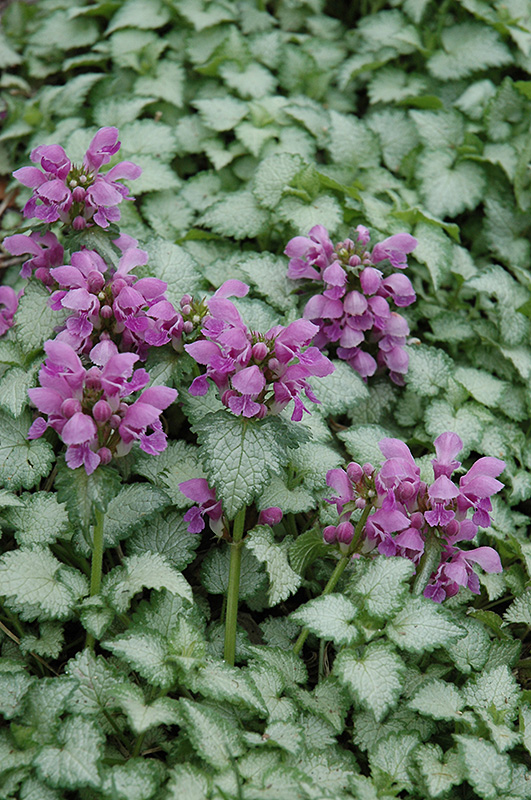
[
  {"x": 198, "y": 490},
  {"x": 87, "y": 407},
  {"x": 8, "y": 306},
  {"x": 80, "y": 196},
  {"x": 44, "y": 248}
]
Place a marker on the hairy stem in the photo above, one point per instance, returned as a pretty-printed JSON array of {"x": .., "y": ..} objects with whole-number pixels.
[
  {"x": 338, "y": 571},
  {"x": 97, "y": 561},
  {"x": 234, "y": 587}
]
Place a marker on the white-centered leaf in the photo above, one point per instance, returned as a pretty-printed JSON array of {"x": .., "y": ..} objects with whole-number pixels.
[{"x": 374, "y": 677}]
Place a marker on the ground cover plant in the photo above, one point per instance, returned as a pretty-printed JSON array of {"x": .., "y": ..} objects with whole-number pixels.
[{"x": 264, "y": 396}]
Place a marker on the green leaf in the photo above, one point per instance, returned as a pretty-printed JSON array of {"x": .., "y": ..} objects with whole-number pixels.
[
  {"x": 435, "y": 250},
  {"x": 172, "y": 264},
  {"x": 488, "y": 771},
  {"x": 35, "y": 320},
  {"x": 323, "y": 210},
  {"x": 330, "y": 617},
  {"x": 221, "y": 113},
  {"x": 187, "y": 781},
  {"x": 137, "y": 779},
  {"x": 213, "y": 738},
  {"x": 39, "y": 520},
  {"x": 306, "y": 549},
  {"x": 8, "y": 56},
  {"x": 130, "y": 507},
  {"x": 439, "y": 700},
  {"x": 239, "y": 455},
  {"x": 439, "y": 130},
  {"x": 468, "y": 47},
  {"x": 22, "y": 463},
  {"x": 440, "y": 770},
  {"x": 267, "y": 273},
  {"x": 252, "y": 81},
  {"x": 352, "y": 144},
  {"x": 146, "y": 651},
  {"x": 422, "y": 626},
  {"x": 393, "y": 757},
  {"x": 383, "y": 585},
  {"x": 449, "y": 188},
  {"x": 215, "y": 573},
  {"x": 48, "y": 644},
  {"x": 74, "y": 763},
  {"x": 33, "y": 577},
  {"x": 472, "y": 651},
  {"x": 341, "y": 390},
  {"x": 396, "y": 133},
  {"x": 374, "y": 678},
  {"x": 440, "y": 417},
  {"x": 14, "y": 683},
  {"x": 81, "y": 493},
  {"x": 149, "y": 570},
  {"x": 225, "y": 684},
  {"x": 166, "y": 534},
  {"x": 141, "y": 715},
  {"x": 361, "y": 442},
  {"x": 14, "y": 386},
  {"x": 483, "y": 386},
  {"x": 167, "y": 83},
  {"x": 274, "y": 175},
  {"x": 169, "y": 216},
  {"x": 57, "y": 33},
  {"x": 495, "y": 690},
  {"x": 283, "y": 581},
  {"x": 237, "y": 215},
  {"x": 119, "y": 110},
  {"x": 132, "y": 14}
]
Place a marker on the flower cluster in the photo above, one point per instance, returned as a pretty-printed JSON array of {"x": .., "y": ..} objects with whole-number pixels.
[
  {"x": 198, "y": 490},
  {"x": 406, "y": 512},
  {"x": 88, "y": 408},
  {"x": 353, "y": 309},
  {"x": 104, "y": 303},
  {"x": 256, "y": 374},
  {"x": 77, "y": 195}
]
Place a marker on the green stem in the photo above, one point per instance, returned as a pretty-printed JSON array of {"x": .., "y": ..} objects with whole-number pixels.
[
  {"x": 234, "y": 587},
  {"x": 428, "y": 564},
  {"x": 329, "y": 588},
  {"x": 97, "y": 561},
  {"x": 338, "y": 571}
]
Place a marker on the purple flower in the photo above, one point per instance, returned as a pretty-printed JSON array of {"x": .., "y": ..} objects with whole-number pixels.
[
  {"x": 87, "y": 408},
  {"x": 256, "y": 374},
  {"x": 270, "y": 516},
  {"x": 353, "y": 309},
  {"x": 404, "y": 512},
  {"x": 8, "y": 306},
  {"x": 80, "y": 196},
  {"x": 395, "y": 249},
  {"x": 44, "y": 248},
  {"x": 198, "y": 490}
]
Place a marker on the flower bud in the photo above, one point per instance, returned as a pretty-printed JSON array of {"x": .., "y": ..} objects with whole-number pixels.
[
  {"x": 101, "y": 411},
  {"x": 370, "y": 279},
  {"x": 345, "y": 532},
  {"x": 186, "y": 299},
  {"x": 70, "y": 407},
  {"x": 360, "y": 502},
  {"x": 106, "y": 312},
  {"x": 368, "y": 469},
  {"x": 114, "y": 421},
  {"x": 417, "y": 520},
  {"x": 329, "y": 534},
  {"x": 355, "y": 472},
  {"x": 79, "y": 223},
  {"x": 117, "y": 286},
  {"x": 105, "y": 455},
  {"x": 95, "y": 281},
  {"x": 270, "y": 516},
  {"x": 186, "y": 309},
  {"x": 188, "y": 326},
  {"x": 260, "y": 351},
  {"x": 78, "y": 194}
]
